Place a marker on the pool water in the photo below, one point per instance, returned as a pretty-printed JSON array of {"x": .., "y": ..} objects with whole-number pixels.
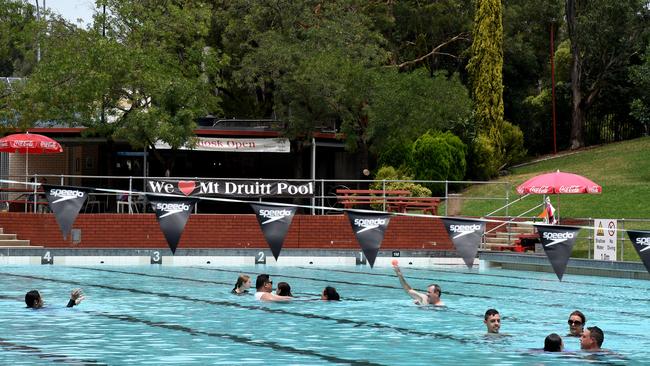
[{"x": 186, "y": 316}]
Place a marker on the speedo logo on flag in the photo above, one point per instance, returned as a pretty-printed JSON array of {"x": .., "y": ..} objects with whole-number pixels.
[
  {"x": 464, "y": 229},
  {"x": 274, "y": 215},
  {"x": 644, "y": 241},
  {"x": 557, "y": 238},
  {"x": 65, "y": 194},
  {"x": 171, "y": 208},
  {"x": 368, "y": 224}
]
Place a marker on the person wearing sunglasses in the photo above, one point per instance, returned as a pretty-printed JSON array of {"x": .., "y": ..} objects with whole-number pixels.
[
  {"x": 264, "y": 287},
  {"x": 576, "y": 322}
]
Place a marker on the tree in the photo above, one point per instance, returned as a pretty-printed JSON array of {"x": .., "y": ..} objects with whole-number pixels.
[
  {"x": 142, "y": 73},
  {"x": 18, "y": 30},
  {"x": 485, "y": 68},
  {"x": 605, "y": 36}
]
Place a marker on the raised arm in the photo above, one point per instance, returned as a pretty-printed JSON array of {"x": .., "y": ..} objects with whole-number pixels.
[
  {"x": 273, "y": 297},
  {"x": 419, "y": 297},
  {"x": 76, "y": 297}
]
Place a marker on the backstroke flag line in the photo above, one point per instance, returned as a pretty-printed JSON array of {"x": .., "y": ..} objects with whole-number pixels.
[
  {"x": 369, "y": 230},
  {"x": 466, "y": 236},
  {"x": 641, "y": 242},
  {"x": 274, "y": 222},
  {"x": 172, "y": 214},
  {"x": 65, "y": 202},
  {"x": 558, "y": 242}
]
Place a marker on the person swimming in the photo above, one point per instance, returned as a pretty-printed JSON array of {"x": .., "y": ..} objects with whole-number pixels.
[
  {"x": 34, "y": 300},
  {"x": 330, "y": 294},
  {"x": 283, "y": 289},
  {"x": 242, "y": 285}
]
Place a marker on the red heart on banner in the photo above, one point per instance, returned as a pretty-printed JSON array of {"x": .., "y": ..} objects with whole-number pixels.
[{"x": 187, "y": 187}]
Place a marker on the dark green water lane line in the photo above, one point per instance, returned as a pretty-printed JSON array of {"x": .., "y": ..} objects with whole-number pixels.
[{"x": 47, "y": 356}]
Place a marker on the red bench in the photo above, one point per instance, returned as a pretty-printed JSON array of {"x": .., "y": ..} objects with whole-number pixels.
[
  {"x": 351, "y": 198},
  {"x": 394, "y": 200}
]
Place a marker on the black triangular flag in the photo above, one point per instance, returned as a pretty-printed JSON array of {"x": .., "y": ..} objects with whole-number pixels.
[
  {"x": 466, "y": 236},
  {"x": 65, "y": 202},
  {"x": 274, "y": 222},
  {"x": 558, "y": 242},
  {"x": 641, "y": 242},
  {"x": 172, "y": 214},
  {"x": 369, "y": 230}
]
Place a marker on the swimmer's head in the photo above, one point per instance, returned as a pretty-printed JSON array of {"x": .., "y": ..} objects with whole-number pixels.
[
  {"x": 33, "y": 299},
  {"x": 492, "y": 321}
]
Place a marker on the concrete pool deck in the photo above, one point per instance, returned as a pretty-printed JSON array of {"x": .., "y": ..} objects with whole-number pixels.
[{"x": 587, "y": 267}]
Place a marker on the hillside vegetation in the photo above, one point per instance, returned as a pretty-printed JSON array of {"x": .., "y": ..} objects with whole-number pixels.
[{"x": 622, "y": 169}]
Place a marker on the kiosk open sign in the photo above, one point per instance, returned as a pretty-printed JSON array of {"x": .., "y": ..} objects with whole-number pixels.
[{"x": 605, "y": 239}]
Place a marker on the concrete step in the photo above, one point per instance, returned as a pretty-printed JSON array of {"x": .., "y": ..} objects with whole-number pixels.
[
  {"x": 14, "y": 243},
  {"x": 8, "y": 236}
]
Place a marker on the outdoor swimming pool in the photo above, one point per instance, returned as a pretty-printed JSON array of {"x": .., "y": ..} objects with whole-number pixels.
[{"x": 186, "y": 315}]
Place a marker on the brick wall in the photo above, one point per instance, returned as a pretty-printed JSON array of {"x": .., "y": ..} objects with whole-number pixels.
[{"x": 220, "y": 231}]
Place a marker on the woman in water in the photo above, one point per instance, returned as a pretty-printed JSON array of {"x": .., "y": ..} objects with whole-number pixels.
[{"x": 242, "y": 285}]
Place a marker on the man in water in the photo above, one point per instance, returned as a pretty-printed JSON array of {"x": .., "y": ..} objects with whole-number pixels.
[
  {"x": 432, "y": 297},
  {"x": 592, "y": 339},
  {"x": 492, "y": 321},
  {"x": 576, "y": 322},
  {"x": 34, "y": 300},
  {"x": 264, "y": 287}
]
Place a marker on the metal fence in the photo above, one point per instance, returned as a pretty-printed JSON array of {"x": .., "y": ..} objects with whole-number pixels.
[{"x": 115, "y": 189}]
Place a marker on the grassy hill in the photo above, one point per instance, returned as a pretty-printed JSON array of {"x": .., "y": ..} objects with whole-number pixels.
[{"x": 622, "y": 169}]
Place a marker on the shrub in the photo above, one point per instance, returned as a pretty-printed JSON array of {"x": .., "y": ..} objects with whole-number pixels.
[{"x": 438, "y": 156}]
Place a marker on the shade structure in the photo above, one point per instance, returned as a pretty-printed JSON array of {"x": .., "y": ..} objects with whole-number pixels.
[
  {"x": 559, "y": 183},
  {"x": 29, "y": 143}
]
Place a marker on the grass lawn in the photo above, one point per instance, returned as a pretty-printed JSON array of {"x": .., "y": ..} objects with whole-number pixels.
[{"x": 622, "y": 169}]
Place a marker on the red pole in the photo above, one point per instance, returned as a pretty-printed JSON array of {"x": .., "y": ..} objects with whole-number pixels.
[{"x": 553, "y": 89}]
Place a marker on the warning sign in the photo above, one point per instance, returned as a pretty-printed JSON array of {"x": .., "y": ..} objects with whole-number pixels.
[{"x": 605, "y": 239}]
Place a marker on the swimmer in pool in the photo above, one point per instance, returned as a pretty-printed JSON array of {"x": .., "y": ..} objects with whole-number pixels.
[
  {"x": 283, "y": 289},
  {"x": 576, "y": 322},
  {"x": 592, "y": 339},
  {"x": 264, "y": 287},
  {"x": 432, "y": 297},
  {"x": 330, "y": 294},
  {"x": 553, "y": 343},
  {"x": 34, "y": 300},
  {"x": 242, "y": 285},
  {"x": 492, "y": 320}
]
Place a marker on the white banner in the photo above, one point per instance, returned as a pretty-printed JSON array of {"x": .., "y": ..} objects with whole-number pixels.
[
  {"x": 605, "y": 239},
  {"x": 276, "y": 145}
]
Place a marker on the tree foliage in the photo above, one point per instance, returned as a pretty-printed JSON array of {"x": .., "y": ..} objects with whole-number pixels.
[
  {"x": 486, "y": 68},
  {"x": 142, "y": 73}
]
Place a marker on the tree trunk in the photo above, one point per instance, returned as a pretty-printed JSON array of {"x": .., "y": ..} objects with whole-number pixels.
[{"x": 578, "y": 110}]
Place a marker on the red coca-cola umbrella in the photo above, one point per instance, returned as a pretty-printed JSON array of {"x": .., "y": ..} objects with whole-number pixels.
[
  {"x": 29, "y": 143},
  {"x": 559, "y": 183}
]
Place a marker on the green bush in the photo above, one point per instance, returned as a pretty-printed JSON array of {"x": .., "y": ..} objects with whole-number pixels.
[
  {"x": 513, "y": 143},
  {"x": 390, "y": 173},
  {"x": 438, "y": 156},
  {"x": 483, "y": 163}
]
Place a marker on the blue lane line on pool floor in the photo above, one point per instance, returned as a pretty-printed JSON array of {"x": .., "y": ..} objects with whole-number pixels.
[
  {"x": 371, "y": 325},
  {"x": 52, "y": 357},
  {"x": 234, "y": 338}
]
